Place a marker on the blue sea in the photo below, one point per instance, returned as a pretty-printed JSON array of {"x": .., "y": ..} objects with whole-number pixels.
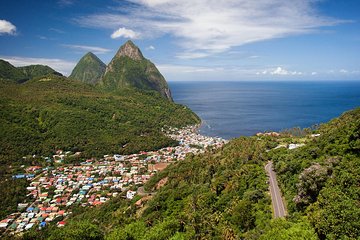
[{"x": 233, "y": 109}]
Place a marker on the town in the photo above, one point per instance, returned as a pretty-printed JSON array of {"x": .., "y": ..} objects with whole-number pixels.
[{"x": 54, "y": 191}]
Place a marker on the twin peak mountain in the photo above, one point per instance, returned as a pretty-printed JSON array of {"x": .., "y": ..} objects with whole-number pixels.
[{"x": 127, "y": 69}]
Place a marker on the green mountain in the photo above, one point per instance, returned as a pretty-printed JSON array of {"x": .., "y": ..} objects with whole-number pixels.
[
  {"x": 23, "y": 74},
  {"x": 89, "y": 69},
  {"x": 34, "y": 71},
  {"x": 223, "y": 194},
  {"x": 129, "y": 69},
  {"x": 8, "y": 71},
  {"x": 53, "y": 112}
]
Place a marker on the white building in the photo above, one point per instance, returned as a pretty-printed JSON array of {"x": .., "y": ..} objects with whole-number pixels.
[{"x": 130, "y": 194}]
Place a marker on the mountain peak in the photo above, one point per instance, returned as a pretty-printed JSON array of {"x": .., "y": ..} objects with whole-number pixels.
[
  {"x": 130, "y": 69},
  {"x": 91, "y": 57},
  {"x": 89, "y": 69},
  {"x": 130, "y": 50},
  {"x": 90, "y": 54}
]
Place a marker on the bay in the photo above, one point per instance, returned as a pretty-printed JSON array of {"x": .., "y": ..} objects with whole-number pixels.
[{"x": 233, "y": 109}]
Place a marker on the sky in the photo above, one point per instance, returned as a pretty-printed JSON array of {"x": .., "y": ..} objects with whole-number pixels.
[{"x": 191, "y": 40}]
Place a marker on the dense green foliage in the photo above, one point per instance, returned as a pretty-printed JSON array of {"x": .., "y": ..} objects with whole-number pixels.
[
  {"x": 281, "y": 229},
  {"x": 22, "y": 74},
  {"x": 321, "y": 179},
  {"x": 221, "y": 194},
  {"x": 89, "y": 69},
  {"x": 35, "y": 71},
  {"x": 9, "y": 72},
  {"x": 12, "y": 192},
  {"x": 51, "y": 113},
  {"x": 129, "y": 69}
]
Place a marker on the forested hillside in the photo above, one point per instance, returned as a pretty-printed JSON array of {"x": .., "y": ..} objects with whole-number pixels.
[
  {"x": 90, "y": 69},
  {"x": 52, "y": 112},
  {"x": 220, "y": 194},
  {"x": 25, "y": 73},
  {"x": 322, "y": 179},
  {"x": 223, "y": 194},
  {"x": 130, "y": 69},
  {"x": 8, "y": 71}
]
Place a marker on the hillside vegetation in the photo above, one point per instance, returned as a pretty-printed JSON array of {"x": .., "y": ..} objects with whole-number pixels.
[
  {"x": 35, "y": 71},
  {"x": 129, "y": 69},
  {"x": 223, "y": 194},
  {"x": 50, "y": 113},
  {"x": 321, "y": 179},
  {"x": 42, "y": 112},
  {"x": 90, "y": 69},
  {"x": 23, "y": 74},
  {"x": 8, "y": 71},
  {"x": 220, "y": 194}
]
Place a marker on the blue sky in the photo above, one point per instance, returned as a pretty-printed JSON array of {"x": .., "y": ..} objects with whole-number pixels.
[{"x": 223, "y": 40}]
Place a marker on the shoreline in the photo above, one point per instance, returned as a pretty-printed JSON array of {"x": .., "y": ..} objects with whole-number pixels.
[{"x": 114, "y": 174}]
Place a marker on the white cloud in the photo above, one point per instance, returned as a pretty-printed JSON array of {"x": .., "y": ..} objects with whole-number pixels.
[
  {"x": 205, "y": 27},
  {"x": 63, "y": 66},
  {"x": 125, "y": 33},
  {"x": 282, "y": 71},
  {"x": 85, "y": 48},
  {"x": 342, "y": 72},
  {"x": 349, "y": 72},
  {"x": 279, "y": 71},
  {"x": 169, "y": 68},
  {"x": 7, "y": 27},
  {"x": 192, "y": 55},
  {"x": 175, "y": 72},
  {"x": 151, "y": 47}
]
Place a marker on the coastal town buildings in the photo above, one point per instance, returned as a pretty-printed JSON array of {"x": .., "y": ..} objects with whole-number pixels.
[{"x": 54, "y": 191}]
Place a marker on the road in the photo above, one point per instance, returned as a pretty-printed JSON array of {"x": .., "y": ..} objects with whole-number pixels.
[{"x": 276, "y": 199}]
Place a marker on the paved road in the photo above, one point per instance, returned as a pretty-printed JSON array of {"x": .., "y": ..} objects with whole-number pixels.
[{"x": 277, "y": 202}]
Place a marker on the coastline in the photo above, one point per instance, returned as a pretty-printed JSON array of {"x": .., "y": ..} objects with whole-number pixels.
[
  {"x": 113, "y": 174},
  {"x": 245, "y": 108}
]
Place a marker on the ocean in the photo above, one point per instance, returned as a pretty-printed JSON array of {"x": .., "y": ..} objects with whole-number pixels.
[{"x": 233, "y": 109}]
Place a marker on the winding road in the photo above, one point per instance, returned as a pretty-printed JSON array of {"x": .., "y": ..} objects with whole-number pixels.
[{"x": 277, "y": 202}]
